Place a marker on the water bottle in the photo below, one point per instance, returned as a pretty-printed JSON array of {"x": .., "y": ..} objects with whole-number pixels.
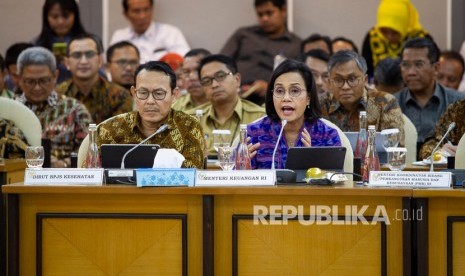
[
  {"x": 93, "y": 156},
  {"x": 361, "y": 145},
  {"x": 199, "y": 114},
  {"x": 371, "y": 162},
  {"x": 242, "y": 153}
]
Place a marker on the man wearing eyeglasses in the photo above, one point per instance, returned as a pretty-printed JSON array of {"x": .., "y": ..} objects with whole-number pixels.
[
  {"x": 154, "y": 92},
  {"x": 64, "y": 119},
  {"x": 225, "y": 109},
  {"x": 348, "y": 84},
  {"x": 423, "y": 100},
  {"x": 102, "y": 98},
  {"x": 122, "y": 61}
]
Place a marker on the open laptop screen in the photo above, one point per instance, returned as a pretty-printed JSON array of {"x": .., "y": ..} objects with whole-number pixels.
[{"x": 141, "y": 157}]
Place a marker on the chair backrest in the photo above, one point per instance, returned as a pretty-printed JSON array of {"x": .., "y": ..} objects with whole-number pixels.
[
  {"x": 460, "y": 154},
  {"x": 349, "y": 160},
  {"x": 23, "y": 118},
  {"x": 411, "y": 137},
  {"x": 82, "y": 151}
]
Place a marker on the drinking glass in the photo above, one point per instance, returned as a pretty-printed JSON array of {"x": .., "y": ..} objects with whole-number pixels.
[
  {"x": 221, "y": 138},
  {"x": 396, "y": 158},
  {"x": 226, "y": 157},
  {"x": 35, "y": 157},
  {"x": 391, "y": 137}
]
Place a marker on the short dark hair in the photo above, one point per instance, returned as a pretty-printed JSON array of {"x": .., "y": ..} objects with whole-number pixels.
[
  {"x": 423, "y": 42},
  {"x": 290, "y": 65},
  {"x": 197, "y": 52},
  {"x": 97, "y": 42},
  {"x": 119, "y": 45},
  {"x": 316, "y": 53},
  {"x": 13, "y": 52},
  {"x": 345, "y": 56},
  {"x": 228, "y": 61},
  {"x": 126, "y": 6},
  {"x": 387, "y": 72},
  {"x": 317, "y": 37},
  {"x": 277, "y": 3},
  {"x": 157, "y": 66},
  {"x": 2, "y": 63},
  {"x": 346, "y": 40},
  {"x": 453, "y": 55}
]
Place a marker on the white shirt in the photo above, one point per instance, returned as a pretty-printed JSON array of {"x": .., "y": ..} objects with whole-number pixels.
[{"x": 158, "y": 40}]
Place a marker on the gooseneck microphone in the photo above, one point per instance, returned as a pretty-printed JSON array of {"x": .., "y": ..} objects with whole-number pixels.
[
  {"x": 159, "y": 130},
  {"x": 283, "y": 124},
  {"x": 431, "y": 158}
]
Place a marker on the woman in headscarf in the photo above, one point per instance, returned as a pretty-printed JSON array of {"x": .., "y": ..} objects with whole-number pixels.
[{"x": 397, "y": 21}]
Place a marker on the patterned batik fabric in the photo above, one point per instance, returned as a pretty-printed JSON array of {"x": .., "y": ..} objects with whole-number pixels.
[{"x": 13, "y": 143}]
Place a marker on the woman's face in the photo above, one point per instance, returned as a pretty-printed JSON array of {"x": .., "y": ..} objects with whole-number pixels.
[
  {"x": 290, "y": 97},
  {"x": 391, "y": 35},
  {"x": 60, "y": 23}
]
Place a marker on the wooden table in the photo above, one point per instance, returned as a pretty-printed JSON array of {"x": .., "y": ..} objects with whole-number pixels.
[{"x": 204, "y": 231}]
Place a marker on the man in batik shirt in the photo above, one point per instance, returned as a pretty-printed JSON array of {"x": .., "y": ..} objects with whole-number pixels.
[{"x": 64, "y": 120}]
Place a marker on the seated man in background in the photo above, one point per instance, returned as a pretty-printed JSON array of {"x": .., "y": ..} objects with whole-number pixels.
[
  {"x": 317, "y": 61},
  {"x": 11, "y": 58},
  {"x": 317, "y": 41},
  {"x": 64, "y": 120},
  {"x": 454, "y": 113},
  {"x": 103, "y": 99},
  {"x": 154, "y": 92},
  {"x": 253, "y": 48},
  {"x": 387, "y": 76},
  {"x": 451, "y": 68},
  {"x": 122, "y": 61},
  {"x": 342, "y": 43},
  {"x": 13, "y": 143},
  {"x": 225, "y": 110},
  {"x": 348, "y": 84},
  {"x": 4, "y": 91},
  {"x": 189, "y": 75}
]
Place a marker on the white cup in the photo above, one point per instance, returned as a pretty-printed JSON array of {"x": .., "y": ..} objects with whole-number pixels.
[{"x": 396, "y": 158}]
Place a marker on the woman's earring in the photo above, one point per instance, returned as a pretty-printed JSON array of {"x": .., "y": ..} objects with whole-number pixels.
[{"x": 308, "y": 105}]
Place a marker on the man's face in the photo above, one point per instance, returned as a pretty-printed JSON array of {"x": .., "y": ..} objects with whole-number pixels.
[
  {"x": 418, "y": 73},
  {"x": 319, "y": 70},
  {"x": 347, "y": 83},
  {"x": 153, "y": 111},
  {"x": 37, "y": 82},
  {"x": 223, "y": 90},
  {"x": 190, "y": 76},
  {"x": 270, "y": 18},
  {"x": 83, "y": 60},
  {"x": 341, "y": 46},
  {"x": 122, "y": 66},
  {"x": 13, "y": 72},
  {"x": 139, "y": 15},
  {"x": 318, "y": 44},
  {"x": 450, "y": 73}
]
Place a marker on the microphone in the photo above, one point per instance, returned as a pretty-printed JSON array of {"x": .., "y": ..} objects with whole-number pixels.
[
  {"x": 283, "y": 124},
  {"x": 159, "y": 130},
  {"x": 431, "y": 158}
]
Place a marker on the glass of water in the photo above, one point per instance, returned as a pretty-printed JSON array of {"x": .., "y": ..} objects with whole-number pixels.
[
  {"x": 391, "y": 137},
  {"x": 35, "y": 157},
  {"x": 226, "y": 157},
  {"x": 396, "y": 158},
  {"x": 221, "y": 138}
]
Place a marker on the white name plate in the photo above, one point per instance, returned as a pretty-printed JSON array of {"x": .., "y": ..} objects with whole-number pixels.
[
  {"x": 235, "y": 178},
  {"x": 411, "y": 179},
  {"x": 63, "y": 177}
]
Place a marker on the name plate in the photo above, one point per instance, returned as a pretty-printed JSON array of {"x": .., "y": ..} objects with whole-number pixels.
[
  {"x": 235, "y": 178},
  {"x": 411, "y": 179},
  {"x": 63, "y": 176},
  {"x": 165, "y": 177}
]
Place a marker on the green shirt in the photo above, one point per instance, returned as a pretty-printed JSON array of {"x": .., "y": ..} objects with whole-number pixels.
[
  {"x": 244, "y": 112},
  {"x": 184, "y": 103}
]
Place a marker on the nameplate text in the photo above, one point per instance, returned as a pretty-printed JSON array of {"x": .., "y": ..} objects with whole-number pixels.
[
  {"x": 235, "y": 178},
  {"x": 63, "y": 176},
  {"x": 411, "y": 179}
]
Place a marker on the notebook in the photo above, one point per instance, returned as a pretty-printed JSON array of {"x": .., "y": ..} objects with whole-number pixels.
[
  {"x": 382, "y": 154},
  {"x": 300, "y": 159},
  {"x": 141, "y": 157}
]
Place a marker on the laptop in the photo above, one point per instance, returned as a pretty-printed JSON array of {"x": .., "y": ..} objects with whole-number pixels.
[
  {"x": 142, "y": 157},
  {"x": 382, "y": 154},
  {"x": 300, "y": 159}
]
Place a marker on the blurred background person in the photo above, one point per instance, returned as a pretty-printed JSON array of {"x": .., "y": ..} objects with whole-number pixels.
[
  {"x": 4, "y": 91},
  {"x": 317, "y": 41},
  {"x": 11, "y": 57},
  {"x": 342, "y": 43},
  {"x": 317, "y": 61},
  {"x": 122, "y": 61},
  {"x": 387, "y": 76},
  {"x": 13, "y": 143},
  {"x": 451, "y": 69}
]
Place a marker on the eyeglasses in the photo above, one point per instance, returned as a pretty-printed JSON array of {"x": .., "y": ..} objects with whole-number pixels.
[
  {"x": 125, "y": 62},
  {"x": 417, "y": 64},
  {"x": 294, "y": 92},
  {"x": 218, "y": 76},
  {"x": 157, "y": 94},
  {"x": 33, "y": 82},
  {"x": 352, "y": 81},
  {"x": 87, "y": 54}
]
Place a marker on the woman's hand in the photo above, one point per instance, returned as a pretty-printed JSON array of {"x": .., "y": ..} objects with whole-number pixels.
[
  {"x": 252, "y": 148},
  {"x": 306, "y": 140}
]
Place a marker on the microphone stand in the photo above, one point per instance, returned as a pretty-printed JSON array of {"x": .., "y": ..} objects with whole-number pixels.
[
  {"x": 431, "y": 158},
  {"x": 283, "y": 124}
]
